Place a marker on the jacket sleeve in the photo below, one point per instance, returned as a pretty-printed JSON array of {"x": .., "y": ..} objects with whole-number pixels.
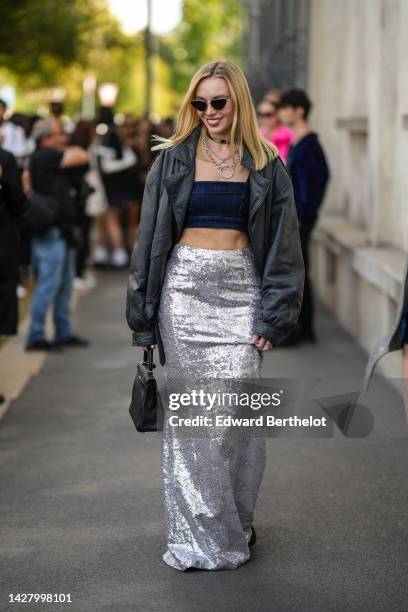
[
  {"x": 11, "y": 186},
  {"x": 284, "y": 272},
  {"x": 138, "y": 316}
]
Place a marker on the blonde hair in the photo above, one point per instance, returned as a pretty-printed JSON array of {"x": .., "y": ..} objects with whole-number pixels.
[{"x": 244, "y": 129}]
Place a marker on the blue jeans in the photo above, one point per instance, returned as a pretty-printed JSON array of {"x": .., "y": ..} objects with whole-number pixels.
[{"x": 53, "y": 261}]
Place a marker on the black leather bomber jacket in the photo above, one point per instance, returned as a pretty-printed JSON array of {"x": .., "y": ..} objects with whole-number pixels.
[{"x": 273, "y": 232}]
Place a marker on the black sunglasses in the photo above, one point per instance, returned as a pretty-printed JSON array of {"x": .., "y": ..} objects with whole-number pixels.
[
  {"x": 201, "y": 105},
  {"x": 263, "y": 115}
]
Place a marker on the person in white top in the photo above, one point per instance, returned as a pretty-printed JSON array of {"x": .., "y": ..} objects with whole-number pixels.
[{"x": 12, "y": 137}]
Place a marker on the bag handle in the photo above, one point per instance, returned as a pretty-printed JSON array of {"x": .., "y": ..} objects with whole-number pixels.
[{"x": 148, "y": 359}]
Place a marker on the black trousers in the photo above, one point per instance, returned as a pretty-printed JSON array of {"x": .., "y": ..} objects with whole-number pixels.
[
  {"x": 8, "y": 306},
  {"x": 306, "y": 317},
  {"x": 83, "y": 248}
]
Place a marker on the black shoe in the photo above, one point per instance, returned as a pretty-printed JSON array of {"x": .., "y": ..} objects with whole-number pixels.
[
  {"x": 2, "y": 398},
  {"x": 43, "y": 345},
  {"x": 309, "y": 336},
  {"x": 253, "y": 537},
  {"x": 74, "y": 341}
]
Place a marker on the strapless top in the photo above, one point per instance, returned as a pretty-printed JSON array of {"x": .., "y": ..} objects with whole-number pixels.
[{"x": 218, "y": 204}]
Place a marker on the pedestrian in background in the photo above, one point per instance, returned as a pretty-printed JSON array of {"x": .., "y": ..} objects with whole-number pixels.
[
  {"x": 166, "y": 127},
  {"x": 272, "y": 129},
  {"x": 309, "y": 171},
  {"x": 396, "y": 340},
  {"x": 404, "y": 340},
  {"x": 118, "y": 164},
  {"x": 13, "y": 206},
  {"x": 53, "y": 254},
  {"x": 12, "y": 137},
  {"x": 82, "y": 136}
]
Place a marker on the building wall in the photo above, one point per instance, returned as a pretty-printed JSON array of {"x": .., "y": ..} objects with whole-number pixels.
[
  {"x": 276, "y": 44},
  {"x": 358, "y": 83}
]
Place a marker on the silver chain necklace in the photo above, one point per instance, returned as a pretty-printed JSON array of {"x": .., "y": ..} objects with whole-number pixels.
[
  {"x": 221, "y": 165},
  {"x": 222, "y": 159}
]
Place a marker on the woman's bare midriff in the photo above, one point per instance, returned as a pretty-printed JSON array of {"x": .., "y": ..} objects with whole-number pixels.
[{"x": 210, "y": 238}]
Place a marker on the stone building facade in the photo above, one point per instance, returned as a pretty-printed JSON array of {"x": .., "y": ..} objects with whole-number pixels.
[
  {"x": 277, "y": 44},
  {"x": 358, "y": 81}
]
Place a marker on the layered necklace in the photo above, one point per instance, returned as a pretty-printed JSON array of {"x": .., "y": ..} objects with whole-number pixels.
[{"x": 226, "y": 170}]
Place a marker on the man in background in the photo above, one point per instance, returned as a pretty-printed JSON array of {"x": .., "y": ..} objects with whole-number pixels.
[
  {"x": 309, "y": 171},
  {"x": 53, "y": 252}
]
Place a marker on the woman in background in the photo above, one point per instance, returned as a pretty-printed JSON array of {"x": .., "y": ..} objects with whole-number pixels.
[
  {"x": 272, "y": 129},
  {"x": 119, "y": 170},
  {"x": 82, "y": 136}
]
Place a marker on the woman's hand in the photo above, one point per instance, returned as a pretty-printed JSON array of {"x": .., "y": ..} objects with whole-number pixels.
[{"x": 261, "y": 343}]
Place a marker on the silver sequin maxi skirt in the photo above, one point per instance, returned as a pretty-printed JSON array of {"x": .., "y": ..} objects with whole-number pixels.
[{"x": 210, "y": 483}]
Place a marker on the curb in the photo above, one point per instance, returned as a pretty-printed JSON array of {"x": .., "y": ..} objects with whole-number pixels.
[{"x": 18, "y": 366}]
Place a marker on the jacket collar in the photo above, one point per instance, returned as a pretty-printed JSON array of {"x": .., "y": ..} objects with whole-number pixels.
[{"x": 186, "y": 150}]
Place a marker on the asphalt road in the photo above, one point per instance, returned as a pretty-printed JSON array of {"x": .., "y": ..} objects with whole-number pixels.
[{"x": 81, "y": 509}]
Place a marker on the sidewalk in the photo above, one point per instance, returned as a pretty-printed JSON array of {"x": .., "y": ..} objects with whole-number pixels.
[
  {"x": 17, "y": 365},
  {"x": 81, "y": 493}
]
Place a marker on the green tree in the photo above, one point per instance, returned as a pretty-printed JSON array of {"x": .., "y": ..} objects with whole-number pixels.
[
  {"x": 48, "y": 43},
  {"x": 209, "y": 30},
  {"x": 39, "y": 39}
]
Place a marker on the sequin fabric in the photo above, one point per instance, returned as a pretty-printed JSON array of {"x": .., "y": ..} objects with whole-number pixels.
[{"x": 210, "y": 482}]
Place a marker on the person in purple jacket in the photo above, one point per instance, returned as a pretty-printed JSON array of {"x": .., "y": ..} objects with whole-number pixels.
[{"x": 309, "y": 171}]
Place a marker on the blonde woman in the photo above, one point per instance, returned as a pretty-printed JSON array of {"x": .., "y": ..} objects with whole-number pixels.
[{"x": 215, "y": 280}]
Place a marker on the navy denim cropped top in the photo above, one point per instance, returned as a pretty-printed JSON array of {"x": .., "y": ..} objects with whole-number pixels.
[{"x": 219, "y": 204}]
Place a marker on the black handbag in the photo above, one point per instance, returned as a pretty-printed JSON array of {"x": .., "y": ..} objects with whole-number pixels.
[
  {"x": 43, "y": 213},
  {"x": 146, "y": 408}
]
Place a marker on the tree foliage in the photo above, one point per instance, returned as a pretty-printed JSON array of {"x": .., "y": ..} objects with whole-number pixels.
[
  {"x": 209, "y": 30},
  {"x": 38, "y": 39},
  {"x": 48, "y": 43}
]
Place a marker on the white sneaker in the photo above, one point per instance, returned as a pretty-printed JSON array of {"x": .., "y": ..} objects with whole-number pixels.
[
  {"x": 89, "y": 280},
  {"x": 101, "y": 256},
  {"x": 119, "y": 258},
  {"x": 79, "y": 283},
  {"x": 21, "y": 292}
]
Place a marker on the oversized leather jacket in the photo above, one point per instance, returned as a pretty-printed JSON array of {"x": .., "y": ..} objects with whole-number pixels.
[{"x": 272, "y": 231}]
